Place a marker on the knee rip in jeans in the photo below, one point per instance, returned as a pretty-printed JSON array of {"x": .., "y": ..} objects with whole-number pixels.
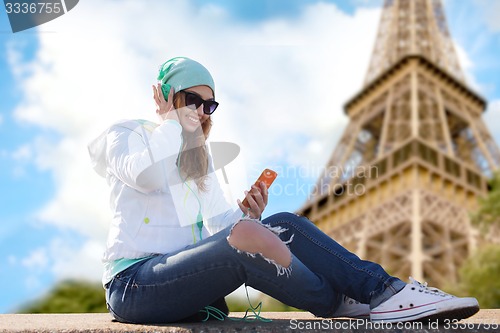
[{"x": 251, "y": 249}]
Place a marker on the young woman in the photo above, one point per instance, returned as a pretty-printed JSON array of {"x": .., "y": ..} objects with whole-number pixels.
[{"x": 175, "y": 245}]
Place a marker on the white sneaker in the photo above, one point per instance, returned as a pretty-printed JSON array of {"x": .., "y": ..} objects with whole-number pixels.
[
  {"x": 416, "y": 301},
  {"x": 352, "y": 309}
]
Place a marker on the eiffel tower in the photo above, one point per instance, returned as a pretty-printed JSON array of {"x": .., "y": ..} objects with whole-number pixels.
[{"x": 415, "y": 156}]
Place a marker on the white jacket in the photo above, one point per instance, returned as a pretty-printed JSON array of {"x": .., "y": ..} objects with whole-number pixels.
[{"x": 153, "y": 209}]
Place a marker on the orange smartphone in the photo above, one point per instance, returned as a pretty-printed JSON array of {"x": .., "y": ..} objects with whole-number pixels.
[{"x": 267, "y": 176}]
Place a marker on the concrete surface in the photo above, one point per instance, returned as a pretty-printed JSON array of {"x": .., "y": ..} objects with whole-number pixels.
[{"x": 483, "y": 321}]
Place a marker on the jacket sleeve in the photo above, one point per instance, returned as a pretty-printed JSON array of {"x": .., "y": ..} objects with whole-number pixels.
[
  {"x": 142, "y": 161},
  {"x": 217, "y": 212}
]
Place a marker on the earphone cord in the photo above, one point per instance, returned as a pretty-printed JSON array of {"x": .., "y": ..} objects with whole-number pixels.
[
  {"x": 219, "y": 315},
  {"x": 199, "y": 217}
]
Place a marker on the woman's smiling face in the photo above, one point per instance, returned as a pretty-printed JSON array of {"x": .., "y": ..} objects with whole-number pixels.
[{"x": 189, "y": 118}]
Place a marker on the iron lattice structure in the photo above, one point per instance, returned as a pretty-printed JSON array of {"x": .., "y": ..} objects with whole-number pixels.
[{"x": 415, "y": 156}]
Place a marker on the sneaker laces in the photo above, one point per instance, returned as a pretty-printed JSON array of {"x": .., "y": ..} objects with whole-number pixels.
[{"x": 424, "y": 288}]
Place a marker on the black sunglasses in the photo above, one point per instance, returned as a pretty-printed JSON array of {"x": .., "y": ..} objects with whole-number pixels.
[{"x": 209, "y": 105}]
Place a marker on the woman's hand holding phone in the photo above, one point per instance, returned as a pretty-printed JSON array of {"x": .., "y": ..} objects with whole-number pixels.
[{"x": 256, "y": 199}]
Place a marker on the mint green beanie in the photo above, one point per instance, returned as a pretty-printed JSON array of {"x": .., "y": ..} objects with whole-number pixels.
[{"x": 182, "y": 73}]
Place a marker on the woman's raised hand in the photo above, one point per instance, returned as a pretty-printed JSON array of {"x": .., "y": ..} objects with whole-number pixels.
[{"x": 164, "y": 109}]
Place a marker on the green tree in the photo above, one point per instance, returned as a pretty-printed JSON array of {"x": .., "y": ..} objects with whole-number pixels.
[
  {"x": 479, "y": 276},
  {"x": 488, "y": 215},
  {"x": 70, "y": 296}
]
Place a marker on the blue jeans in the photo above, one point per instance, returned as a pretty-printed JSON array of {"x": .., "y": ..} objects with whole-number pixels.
[{"x": 168, "y": 288}]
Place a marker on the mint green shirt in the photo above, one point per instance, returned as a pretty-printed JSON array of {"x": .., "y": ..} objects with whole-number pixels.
[{"x": 114, "y": 267}]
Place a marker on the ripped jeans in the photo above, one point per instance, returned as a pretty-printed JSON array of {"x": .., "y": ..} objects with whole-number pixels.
[{"x": 168, "y": 288}]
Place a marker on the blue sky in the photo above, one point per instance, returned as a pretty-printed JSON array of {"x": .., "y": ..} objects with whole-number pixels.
[{"x": 273, "y": 61}]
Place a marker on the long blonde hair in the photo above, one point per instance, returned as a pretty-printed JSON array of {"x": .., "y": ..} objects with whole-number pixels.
[{"x": 193, "y": 158}]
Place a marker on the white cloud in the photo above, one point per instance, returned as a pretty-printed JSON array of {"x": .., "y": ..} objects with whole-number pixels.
[
  {"x": 64, "y": 259},
  {"x": 1, "y": 120},
  {"x": 21, "y": 156},
  {"x": 468, "y": 69},
  {"x": 490, "y": 9},
  {"x": 24, "y": 152},
  {"x": 281, "y": 85},
  {"x": 37, "y": 260},
  {"x": 476, "y": 42},
  {"x": 78, "y": 262}
]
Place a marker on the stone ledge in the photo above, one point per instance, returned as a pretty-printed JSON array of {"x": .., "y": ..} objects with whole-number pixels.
[{"x": 483, "y": 321}]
